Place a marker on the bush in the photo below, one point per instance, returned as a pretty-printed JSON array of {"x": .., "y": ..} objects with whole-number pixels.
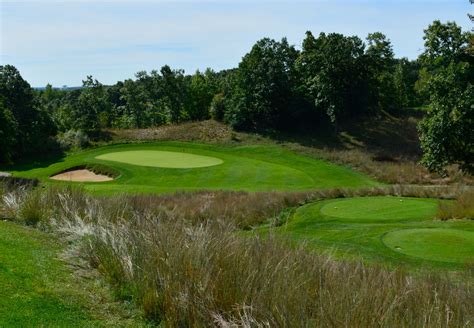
[
  {"x": 217, "y": 109},
  {"x": 73, "y": 139},
  {"x": 32, "y": 210}
]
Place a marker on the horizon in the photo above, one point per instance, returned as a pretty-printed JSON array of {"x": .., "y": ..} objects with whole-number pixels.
[{"x": 113, "y": 40}]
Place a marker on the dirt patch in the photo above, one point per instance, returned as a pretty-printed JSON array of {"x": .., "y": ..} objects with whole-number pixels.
[{"x": 81, "y": 175}]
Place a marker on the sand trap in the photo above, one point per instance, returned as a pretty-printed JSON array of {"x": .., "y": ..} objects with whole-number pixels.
[{"x": 81, "y": 176}]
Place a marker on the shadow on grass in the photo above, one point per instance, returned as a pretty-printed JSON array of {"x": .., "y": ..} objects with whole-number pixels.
[
  {"x": 386, "y": 137},
  {"x": 35, "y": 161}
]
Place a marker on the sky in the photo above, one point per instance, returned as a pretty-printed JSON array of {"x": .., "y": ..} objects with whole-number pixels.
[{"x": 61, "y": 42}]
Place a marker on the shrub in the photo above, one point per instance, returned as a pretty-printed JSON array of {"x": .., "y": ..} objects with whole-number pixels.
[
  {"x": 32, "y": 210},
  {"x": 72, "y": 139},
  {"x": 217, "y": 108}
]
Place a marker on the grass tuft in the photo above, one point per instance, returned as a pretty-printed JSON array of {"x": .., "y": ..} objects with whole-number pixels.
[{"x": 461, "y": 208}]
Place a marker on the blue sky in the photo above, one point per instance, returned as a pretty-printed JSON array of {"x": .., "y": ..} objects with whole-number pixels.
[{"x": 60, "y": 42}]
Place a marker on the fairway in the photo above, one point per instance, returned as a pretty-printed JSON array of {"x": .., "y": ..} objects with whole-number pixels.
[
  {"x": 448, "y": 245},
  {"x": 157, "y": 158},
  {"x": 170, "y": 166},
  {"x": 382, "y": 209},
  {"x": 395, "y": 230}
]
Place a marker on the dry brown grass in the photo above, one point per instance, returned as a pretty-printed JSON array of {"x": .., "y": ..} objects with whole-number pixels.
[
  {"x": 203, "y": 131},
  {"x": 461, "y": 208},
  {"x": 399, "y": 171},
  {"x": 179, "y": 259}
]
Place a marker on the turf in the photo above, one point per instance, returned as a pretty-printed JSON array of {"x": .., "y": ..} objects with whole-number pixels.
[
  {"x": 367, "y": 228},
  {"x": 380, "y": 209},
  {"x": 446, "y": 245},
  {"x": 249, "y": 168},
  {"x": 36, "y": 288},
  {"x": 156, "y": 158}
]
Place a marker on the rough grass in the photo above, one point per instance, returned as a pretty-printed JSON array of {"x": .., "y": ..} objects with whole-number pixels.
[
  {"x": 461, "y": 208},
  {"x": 199, "y": 272}
]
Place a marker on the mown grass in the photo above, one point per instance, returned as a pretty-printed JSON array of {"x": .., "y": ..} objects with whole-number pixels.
[
  {"x": 355, "y": 228},
  {"x": 249, "y": 168},
  {"x": 197, "y": 271},
  {"x": 433, "y": 244},
  {"x": 39, "y": 290}
]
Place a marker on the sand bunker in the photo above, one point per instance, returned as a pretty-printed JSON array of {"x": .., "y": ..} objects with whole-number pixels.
[{"x": 82, "y": 175}]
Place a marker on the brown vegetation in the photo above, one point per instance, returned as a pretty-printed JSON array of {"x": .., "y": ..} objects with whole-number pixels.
[
  {"x": 461, "y": 208},
  {"x": 179, "y": 259}
]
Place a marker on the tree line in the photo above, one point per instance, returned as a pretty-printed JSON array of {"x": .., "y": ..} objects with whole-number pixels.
[{"x": 331, "y": 80}]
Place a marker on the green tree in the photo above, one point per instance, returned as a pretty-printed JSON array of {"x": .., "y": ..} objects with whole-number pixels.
[
  {"x": 90, "y": 104},
  {"x": 444, "y": 43},
  {"x": 262, "y": 89},
  {"x": 333, "y": 74},
  {"x": 201, "y": 93},
  {"x": 447, "y": 132},
  {"x": 381, "y": 62},
  {"x": 174, "y": 93},
  {"x": 33, "y": 126},
  {"x": 8, "y": 128},
  {"x": 405, "y": 77}
]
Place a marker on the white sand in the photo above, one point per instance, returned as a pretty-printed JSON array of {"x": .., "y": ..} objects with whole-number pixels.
[{"x": 81, "y": 176}]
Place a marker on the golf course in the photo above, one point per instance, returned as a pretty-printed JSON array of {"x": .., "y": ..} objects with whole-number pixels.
[
  {"x": 172, "y": 166},
  {"x": 231, "y": 164}
]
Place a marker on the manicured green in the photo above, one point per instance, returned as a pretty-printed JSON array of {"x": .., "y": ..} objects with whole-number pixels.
[
  {"x": 448, "y": 245},
  {"x": 36, "y": 287},
  {"x": 158, "y": 158},
  {"x": 246, "y": 167},
  {"x": 379, "y": 209},
  {"x": 372, "y": 227}
]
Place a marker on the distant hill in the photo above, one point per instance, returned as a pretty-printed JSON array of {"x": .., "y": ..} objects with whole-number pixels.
[{"x": 64, "y": 87}]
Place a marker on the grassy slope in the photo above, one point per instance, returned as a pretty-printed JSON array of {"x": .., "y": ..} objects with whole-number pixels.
[
  {"x": 251, "y": 168},
  {"x": 362, "y": 235},
  {"x": 37, "y": 289}
]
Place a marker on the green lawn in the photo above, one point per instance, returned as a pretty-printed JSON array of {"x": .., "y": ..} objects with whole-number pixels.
[
  {"x": 250, "y": 167},
  {"x": 392, "y": 230},
  {"x": 446, "y": 245},
  {"x": 37, "y": 289},
  {"x": 163, "y": 159}
]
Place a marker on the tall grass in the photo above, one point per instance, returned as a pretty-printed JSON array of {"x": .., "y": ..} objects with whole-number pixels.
[
  {"x": 461, "y": 208},
  {"x": 178, "y": 258}
]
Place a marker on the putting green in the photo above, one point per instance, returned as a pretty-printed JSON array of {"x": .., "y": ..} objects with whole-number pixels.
[
  {"x": 158, "y": 158},
  {"x": 445, "y": 245},
  {"x": 380, "y": 208}
]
